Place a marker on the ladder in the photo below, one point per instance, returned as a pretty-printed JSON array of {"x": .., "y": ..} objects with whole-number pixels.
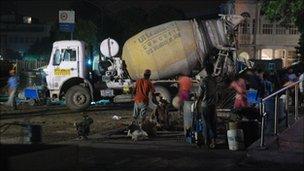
[{"x": 221, "y": 60}]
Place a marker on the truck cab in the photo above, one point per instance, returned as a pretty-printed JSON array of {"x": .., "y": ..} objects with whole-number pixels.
[
  {"x": 67, "y": 71},
  {"x": 70, "y": 75}
]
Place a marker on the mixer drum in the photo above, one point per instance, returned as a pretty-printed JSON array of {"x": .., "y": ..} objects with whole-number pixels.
[{"x": 167, "y": 49}]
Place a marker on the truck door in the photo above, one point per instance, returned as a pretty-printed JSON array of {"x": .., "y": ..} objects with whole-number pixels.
[{"x": 64, "y": 65}]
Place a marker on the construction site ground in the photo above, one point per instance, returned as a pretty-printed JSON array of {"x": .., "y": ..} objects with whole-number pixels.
[{"x": 108, "y": 148}]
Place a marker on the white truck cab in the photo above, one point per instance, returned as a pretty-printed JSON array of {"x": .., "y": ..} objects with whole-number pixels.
[
  {"x": 70, "y": 76},
  {"x": 67, "y": 68}
]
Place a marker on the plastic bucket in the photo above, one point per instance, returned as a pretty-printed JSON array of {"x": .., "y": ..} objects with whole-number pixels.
[
  {"x": 188, "y": 116},
  {"x": 252, "y": 97},
  {"x": 235, "y": 139}
]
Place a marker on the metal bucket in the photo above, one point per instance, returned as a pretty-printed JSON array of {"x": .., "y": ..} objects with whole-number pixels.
[{"x": 32, "y": 134}]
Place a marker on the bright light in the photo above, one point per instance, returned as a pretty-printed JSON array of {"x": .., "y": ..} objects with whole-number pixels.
[
  {"x": 27, "y": 20},
  {"x": 89, "y": 62}
]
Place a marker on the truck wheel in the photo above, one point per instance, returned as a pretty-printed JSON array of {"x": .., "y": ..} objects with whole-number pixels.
[
  {"x": 163, "y": 92},
  {"x": 78, "y": 98}
]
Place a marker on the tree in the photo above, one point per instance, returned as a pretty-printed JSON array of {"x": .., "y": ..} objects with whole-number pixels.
[{"x": 286, "y": 12}]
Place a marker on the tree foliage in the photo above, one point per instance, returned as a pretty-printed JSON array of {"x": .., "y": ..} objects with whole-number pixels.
[{"x": 287, "y": 11}]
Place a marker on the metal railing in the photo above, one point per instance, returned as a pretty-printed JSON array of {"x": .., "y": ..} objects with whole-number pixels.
[{"x": 294, "y": 85}]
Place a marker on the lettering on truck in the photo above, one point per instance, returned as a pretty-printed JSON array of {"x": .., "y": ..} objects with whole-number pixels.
[{"x": 62, "y": 72}]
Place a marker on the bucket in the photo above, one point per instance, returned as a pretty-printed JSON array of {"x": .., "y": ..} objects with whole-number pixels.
[
  {"x": 235, "y": 139},
  {"x": 252, "y": 97},
  {"x": 188, "y": 118},
  {"x": 32, "y": 134}
]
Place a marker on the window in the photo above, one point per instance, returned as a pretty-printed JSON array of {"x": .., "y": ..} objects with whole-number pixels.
[
  {"x": 280, "y": 29},
  {"x": 245, "y": 25},
  {"x": 253, "y": 26},
  {"x": 267, "y": 54},
  {"x": 279, "y": 53},
  {"x": 69, "y": 54},
  {"x": 293, "y": 29},
  {"x": 57, "y": 57},
  {"x": 244, "y": 28},
  {"x": 267, "y": 28}
]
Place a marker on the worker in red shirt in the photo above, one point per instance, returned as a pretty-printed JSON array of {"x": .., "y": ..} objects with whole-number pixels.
[
  {"x": 141, "y": 100},
  {"x": 185, "y": 85}
]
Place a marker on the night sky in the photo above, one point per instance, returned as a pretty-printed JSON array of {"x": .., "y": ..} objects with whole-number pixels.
[{"x": 47, "y": 10}]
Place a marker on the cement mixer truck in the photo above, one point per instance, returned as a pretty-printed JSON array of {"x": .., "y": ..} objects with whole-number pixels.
[{"x": 167, "y": 50}]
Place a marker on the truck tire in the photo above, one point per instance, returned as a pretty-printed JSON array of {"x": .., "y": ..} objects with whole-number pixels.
[
  {"x": 163, "y": 92},
  {"x": 78, "y": 98}
]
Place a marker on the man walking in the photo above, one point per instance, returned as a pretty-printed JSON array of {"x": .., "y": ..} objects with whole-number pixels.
[
  {"x": 141, "y": 100},
  {"x": 206, "y": 106},
  {"x": 12, "y": 89}
]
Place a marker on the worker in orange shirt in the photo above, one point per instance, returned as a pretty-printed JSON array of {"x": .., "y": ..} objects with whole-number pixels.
[
  {"x": 141, "y": 100},
  {"x": 185, "y": 85}
]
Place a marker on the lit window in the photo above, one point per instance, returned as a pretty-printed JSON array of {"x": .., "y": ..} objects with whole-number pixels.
[
  {"x": 27, "y": 20},
  {"x": 267, "y": 54}
]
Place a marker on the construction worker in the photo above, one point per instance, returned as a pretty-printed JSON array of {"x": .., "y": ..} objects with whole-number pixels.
[
  {"x": 185, "y": 84},
  {"x": 141, "y": 97},
  {"x": 12, "y": 89},
  {"x": 206, "y": 106}
]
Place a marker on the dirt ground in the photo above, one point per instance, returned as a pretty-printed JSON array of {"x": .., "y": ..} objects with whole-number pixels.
[
  {"x": 57, "y": 121},
  {"x": 59, "y": 126}
]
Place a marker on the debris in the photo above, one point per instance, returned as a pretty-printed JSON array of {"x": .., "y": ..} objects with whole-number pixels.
[
  {"x": 136, "y": 132},
  {"x": 83, "y": 127},
  {"x": 115, "y": 117}
]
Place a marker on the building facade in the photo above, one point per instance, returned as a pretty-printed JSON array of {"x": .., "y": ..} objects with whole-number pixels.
[
  {"x": 258, "y": 38},
  {"x": 18, "y": 33}
]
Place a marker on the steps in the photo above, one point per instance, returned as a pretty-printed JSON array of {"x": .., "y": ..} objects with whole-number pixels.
[{"x": 285, "y": 148}]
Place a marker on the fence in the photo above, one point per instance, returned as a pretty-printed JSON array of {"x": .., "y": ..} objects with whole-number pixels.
[
  {"x": 29, "y": 65},
  {"x": 275, "y": 95}
]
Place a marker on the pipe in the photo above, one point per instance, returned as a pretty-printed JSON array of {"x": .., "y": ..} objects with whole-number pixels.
[
  {"x": 276, "y": 115},
  {"x": 286, "y": 110},
  {"x": 262, "y": 109},
  {"x": 296, "y": 102}
]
